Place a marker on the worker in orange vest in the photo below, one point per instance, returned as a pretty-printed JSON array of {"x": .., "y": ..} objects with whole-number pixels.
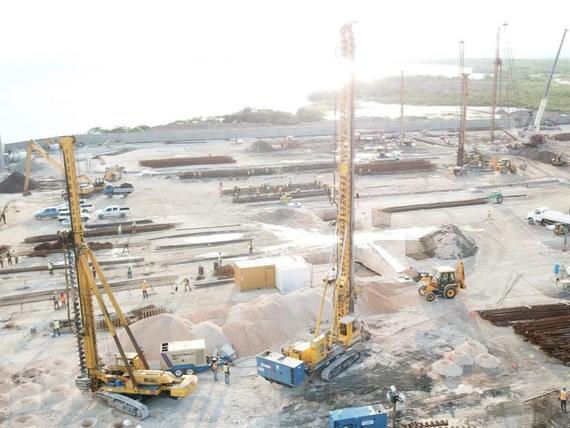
[
  {"x": 563, "y": 397},
  {"x": 145, "y": 289}
]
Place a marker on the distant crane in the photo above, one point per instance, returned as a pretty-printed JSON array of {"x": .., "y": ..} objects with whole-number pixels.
[
  {"x": 536, "y": 137},
  {"x": 462, "y": 123},
  {"x": 497, "y": 71},
  {"x": 402, "y": 132}
]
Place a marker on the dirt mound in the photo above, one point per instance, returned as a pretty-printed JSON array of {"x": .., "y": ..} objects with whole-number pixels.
[
  {"x": 378, "y": 297},
  {"x": 14, "y": 183},
  {"x": 289, "y": 216},
  {"x": 260, "y": 146},
  {"x": 448, "y": 243},
  {"x": 543, "y": 156}
]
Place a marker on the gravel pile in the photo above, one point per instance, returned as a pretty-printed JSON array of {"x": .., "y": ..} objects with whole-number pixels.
[{"x": 448, "y": 243}]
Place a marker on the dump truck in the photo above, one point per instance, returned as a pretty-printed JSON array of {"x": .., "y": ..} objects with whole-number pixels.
[
  {"x": 123, "y": 189},
  {"x": 545, "y": 215}
]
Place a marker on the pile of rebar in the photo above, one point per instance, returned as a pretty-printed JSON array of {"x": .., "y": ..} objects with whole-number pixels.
[
  {"x": 547, "y": 326},
  {"x": 174, "y": 162},
  {"x": 268, "y": 188},
  {"x": 394, "y": 166},
  {"x": 255, "y": 170}
]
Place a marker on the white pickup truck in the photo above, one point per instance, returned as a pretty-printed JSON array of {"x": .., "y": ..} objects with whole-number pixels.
[
  {"x": 112, "y": 211},
  {"x": 545, "y": 215}
]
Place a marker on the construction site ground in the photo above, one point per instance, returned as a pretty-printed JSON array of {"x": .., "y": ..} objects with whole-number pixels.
[{"x": 513, "y": 266}]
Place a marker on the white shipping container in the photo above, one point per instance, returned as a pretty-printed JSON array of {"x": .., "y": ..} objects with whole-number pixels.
[{"x": 293, "y": 274}]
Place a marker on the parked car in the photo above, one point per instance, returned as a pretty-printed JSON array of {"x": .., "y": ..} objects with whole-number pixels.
[
  {"x": 50, "y": 212},
  {"x": 112, "y": 211}
]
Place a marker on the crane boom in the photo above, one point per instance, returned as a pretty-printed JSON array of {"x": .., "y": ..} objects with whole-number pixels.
[
  {"x": 35, "y": 147},
  {"x": 544, "y": 100}
]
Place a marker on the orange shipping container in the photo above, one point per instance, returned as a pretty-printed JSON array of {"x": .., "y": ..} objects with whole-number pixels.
[{"x": 253, "y": 274}]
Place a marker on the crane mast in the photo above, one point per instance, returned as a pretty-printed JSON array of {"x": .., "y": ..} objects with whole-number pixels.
[{"x": 344, "y": 300}]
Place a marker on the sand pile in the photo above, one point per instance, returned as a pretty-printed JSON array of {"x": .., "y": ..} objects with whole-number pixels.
[
  {"x": 447, "y": 368},
  {"x": 152, "y": 332},
  {"x": 448, "y": 243},
  {"x": 14, "y": 183},
  {"x": 250, "y": 327},
  {"x": 271, "y": 319},
  {"x": 260, "y": 146},
  {"x": 379, "y": 297},
  {"x": 289, "y": 216},
  {"x": 217, "y": 314}
]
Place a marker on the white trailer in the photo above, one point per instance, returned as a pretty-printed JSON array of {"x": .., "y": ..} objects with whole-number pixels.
[{"x": 545, "y": 215}]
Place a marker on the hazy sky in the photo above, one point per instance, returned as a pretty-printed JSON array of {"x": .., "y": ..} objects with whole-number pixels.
[{"x": 66, "y": 66}]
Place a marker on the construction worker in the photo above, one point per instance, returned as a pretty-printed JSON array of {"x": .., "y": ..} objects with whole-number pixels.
[
  {"x": 15, "y": 256},
  {"x": 226, "y": 370},
  {"x": 220, "y": 260},
  {"x": 56, "y": 325},
  {"x": 215, "y": 368},
  {"x": 1, "y": 261},
  {"x": 63, "y": 299},
  {"x": 145, "y": 289},
  {"x": 3, "y": 217},
  {"x": 9, "y": 257},
  {"x": 250, "y": 245},
  {"x": 130, "y": 272},
  {"x": 186, "y": 283},
  {"x": 134, "y": 227},
  {"x": 119, "y": 230},
  {"x": 93, "y": 271},
  {"x": 563, "y": 397},
  {"x": 489, "y": 217},
  {"x": 50, "y": 268},
  {"x": 55, "y": 301}
]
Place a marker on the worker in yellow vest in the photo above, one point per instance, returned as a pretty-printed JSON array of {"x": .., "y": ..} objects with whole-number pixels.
[
  {"x": 145, "y": 289},
  {"x": 563, "y": 397}
]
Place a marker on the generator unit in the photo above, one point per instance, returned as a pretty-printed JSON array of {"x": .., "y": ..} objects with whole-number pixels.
[{"x": 359, "y": 417}]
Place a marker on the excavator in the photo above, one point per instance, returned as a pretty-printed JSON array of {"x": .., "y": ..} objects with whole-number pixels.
[
  {"x": 86, "y": 186},
  {"x": 330, "y": 352},
  {"x": 443, "y": 281},
  {"x": 123, "y": 383}
]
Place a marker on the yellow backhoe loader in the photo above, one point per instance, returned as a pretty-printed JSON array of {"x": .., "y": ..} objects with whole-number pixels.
[{"x": 443, "y": 281}]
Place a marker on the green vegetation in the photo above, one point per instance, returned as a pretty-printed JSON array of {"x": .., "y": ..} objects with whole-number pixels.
[
  {"x": 118, "y": 129},
  {"x": 247, "y": 115},
  {"x": 440, "y": 90},
  {"x": 523, "y": 68}
]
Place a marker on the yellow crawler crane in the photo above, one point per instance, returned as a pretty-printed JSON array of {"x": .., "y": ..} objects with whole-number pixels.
[
  {"x": 86, "y": 185},
  {"x": 331, "y": 352},
  {"x": 130, "y": 375}
]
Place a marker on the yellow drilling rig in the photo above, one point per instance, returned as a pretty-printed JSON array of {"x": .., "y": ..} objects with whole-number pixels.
[
  {"x": 118, "y": 384},
  {"x": 330, "y": 352}
]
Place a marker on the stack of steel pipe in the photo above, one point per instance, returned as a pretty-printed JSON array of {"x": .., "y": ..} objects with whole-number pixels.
[
  {"x": 394, "y": 166},
  {"x": 506, "y": 316},
  {"x": 174, "y": 162},
  {"x": 546, "y": 326}
]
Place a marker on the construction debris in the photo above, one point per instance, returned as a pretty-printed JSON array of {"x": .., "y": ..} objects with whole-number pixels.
[
  {"x": 260, "y": 146},
  {"x": 175, "y": 162},
  {"x": 14, "y": 183}
]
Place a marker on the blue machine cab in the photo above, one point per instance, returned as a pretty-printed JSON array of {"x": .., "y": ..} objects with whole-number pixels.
[{"x": 359, "y": 417}]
